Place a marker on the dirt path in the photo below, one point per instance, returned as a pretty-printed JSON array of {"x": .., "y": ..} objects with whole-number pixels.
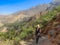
[{"x": 42, "y": 41}]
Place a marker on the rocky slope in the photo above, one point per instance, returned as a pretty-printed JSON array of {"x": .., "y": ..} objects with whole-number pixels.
[{"x": 52, "y": 29}]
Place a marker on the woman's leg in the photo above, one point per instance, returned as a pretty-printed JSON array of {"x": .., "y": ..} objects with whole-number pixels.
[{"x": 37, "y": 38}]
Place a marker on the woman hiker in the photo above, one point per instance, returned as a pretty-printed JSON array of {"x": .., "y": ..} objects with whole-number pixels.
[{"x": 37, "y": 33}]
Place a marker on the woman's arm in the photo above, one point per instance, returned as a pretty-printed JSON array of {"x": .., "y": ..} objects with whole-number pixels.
[{"x": 40, "y": 30}]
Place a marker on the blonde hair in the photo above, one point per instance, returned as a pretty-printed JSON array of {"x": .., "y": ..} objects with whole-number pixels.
[{"x": 38, "y": 26}]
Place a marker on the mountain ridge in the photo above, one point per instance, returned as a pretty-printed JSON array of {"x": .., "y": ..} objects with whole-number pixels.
[{"x": 20, "y": 15}]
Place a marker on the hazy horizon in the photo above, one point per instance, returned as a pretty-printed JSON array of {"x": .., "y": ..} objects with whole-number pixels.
[{"x": 10, "y": 6}]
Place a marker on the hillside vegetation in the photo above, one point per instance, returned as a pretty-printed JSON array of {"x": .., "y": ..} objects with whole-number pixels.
[{"x": 18, "y": 31}]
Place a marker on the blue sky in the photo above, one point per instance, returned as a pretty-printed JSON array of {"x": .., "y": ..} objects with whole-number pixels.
[{"x": 11, "y": 6}]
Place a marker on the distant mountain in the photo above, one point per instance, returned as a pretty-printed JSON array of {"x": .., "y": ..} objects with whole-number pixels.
[
  {"x": 39, "y": 8},
  {"x": 20, "y": 15}
]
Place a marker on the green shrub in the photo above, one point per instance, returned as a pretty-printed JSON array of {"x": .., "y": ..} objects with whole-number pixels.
[{"x": 23, "y": 35}]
